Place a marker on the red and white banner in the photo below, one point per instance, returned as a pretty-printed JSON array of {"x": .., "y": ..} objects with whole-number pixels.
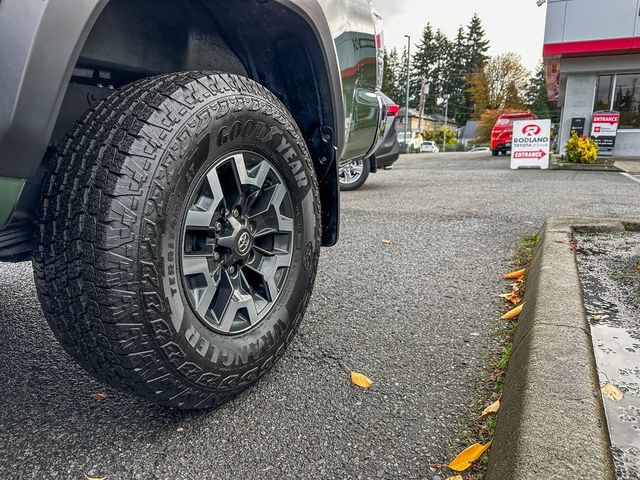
[
  {"x": 604, "y": 130},
  {"x": 531, "y": 144}
]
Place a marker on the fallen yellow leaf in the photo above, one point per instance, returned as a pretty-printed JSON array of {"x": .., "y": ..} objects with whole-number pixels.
[
  {"x": 87, "y": 477},
  {"x": 513, "y": 313},
  {"x": 515, "y": 275},
  {"x": 457, "y": 477},
  {"x": 361, "y": 380},
  {"x": 493, "y": 408},
  {"x": 468, "y": 456},
  {"x": 511, "y": 298},
  {"x": 612, "y": 392}
]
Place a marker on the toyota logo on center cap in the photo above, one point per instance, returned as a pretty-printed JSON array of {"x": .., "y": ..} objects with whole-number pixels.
[
  {"x": 244, "y": 242},
  {"x": 531, "y": 130}
]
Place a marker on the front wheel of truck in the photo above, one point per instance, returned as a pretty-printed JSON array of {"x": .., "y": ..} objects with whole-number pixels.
[{"x": 179, "y": 238}]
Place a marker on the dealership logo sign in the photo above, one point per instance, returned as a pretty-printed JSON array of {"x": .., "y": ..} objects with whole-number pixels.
[
  {"x": 531, "y": 130},
  {"x": 531, "y": 143}
]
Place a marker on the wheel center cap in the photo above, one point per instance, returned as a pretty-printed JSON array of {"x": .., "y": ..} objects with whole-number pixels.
[{"x": 243, "y": 243}]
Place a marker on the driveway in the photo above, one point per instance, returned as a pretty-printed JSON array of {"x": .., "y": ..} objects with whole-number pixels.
[{"x": 407, "y": 314}]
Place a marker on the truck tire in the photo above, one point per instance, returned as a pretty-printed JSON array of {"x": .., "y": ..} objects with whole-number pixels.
[
  {"x": 179, "y": 238},
  {"x": 495, "y": 153},
  {"x": 354, "y": 175}
]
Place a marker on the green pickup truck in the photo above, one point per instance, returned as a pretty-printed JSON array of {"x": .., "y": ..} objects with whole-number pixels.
[{"x": 171, "y": 168}]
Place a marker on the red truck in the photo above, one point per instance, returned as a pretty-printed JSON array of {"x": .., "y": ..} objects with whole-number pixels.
[{"x": 502, "y": 131}]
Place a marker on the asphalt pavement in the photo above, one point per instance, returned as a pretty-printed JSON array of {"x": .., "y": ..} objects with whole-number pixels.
[{"x": 418, "y": 315}]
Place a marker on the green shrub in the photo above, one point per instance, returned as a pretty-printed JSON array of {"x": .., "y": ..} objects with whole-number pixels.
[{"x": 581, "y": 150}]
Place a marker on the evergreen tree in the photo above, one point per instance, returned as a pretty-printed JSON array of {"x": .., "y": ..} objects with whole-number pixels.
[
  {"x": 424, "y": 61},
  {"x": 477, "y": 44},
  {"x": 456, "y": 83},
  {"x": 392, "y": 83},
  {"x": 476, "y": 48},
  {"x": 537, "y": 98}
]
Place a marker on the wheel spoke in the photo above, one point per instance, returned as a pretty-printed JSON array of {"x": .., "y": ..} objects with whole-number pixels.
[
  {"x": 200, "y": 216},
  {"x": 202, "y": 295},
  {"x": 271, "y": 220},
  {"x": 267, "y": 265},
  {"x": 194, "y": 265},
  {"x": 238, "y": 300}
]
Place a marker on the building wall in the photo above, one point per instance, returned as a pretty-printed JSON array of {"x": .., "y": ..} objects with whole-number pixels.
[
  {"x": 587, "y": 38},
  {"x": 579, "y": 94}
]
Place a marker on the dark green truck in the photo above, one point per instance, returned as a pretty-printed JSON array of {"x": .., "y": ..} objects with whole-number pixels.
[{"x": 170, "y": 166}]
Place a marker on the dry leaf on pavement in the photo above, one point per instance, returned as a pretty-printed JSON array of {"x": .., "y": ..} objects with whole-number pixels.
[
  {"x": 511, "y": 298},
  {"x": 493, "y": 408},
  {"x": 457, "y": 477},
  {"x": 513, "y": 313},
  {"x": 386, "y": 242},
  {"x": 87, "y": 477},
  {"x": 612, "y": 392},
  {"x": 99, "y": 396},
  {"x": 468, "y": 456},
  {"x": 515, "y": 275},
  {"x": 361, "y": 380}
]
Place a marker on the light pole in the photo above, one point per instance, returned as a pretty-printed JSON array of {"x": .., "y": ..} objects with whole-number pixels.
[
  {"x": 446, "y": 97},
  {"x": 406, "y": 107}
]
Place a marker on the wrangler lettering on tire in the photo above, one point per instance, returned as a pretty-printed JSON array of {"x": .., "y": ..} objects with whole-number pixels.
[{"x": 179, "y": 237}]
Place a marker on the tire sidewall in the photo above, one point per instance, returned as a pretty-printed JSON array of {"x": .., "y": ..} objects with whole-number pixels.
[{"x": 207, "y": 358}]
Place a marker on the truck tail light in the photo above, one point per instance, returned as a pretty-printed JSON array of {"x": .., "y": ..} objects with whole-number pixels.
[{"x": 393, "y": 110}]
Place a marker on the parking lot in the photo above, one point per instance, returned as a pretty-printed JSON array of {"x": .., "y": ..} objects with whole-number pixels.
[{"x": 408, "y": 297}]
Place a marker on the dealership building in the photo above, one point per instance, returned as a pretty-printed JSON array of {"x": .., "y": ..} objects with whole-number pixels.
[{"x": 592, "y": 63}]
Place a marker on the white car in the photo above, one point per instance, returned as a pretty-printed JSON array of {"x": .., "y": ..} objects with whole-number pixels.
[
  {"x": 429, "y": 147},
  {"x": 480, "y": 150},
  {"x": 415, "y": 142}
]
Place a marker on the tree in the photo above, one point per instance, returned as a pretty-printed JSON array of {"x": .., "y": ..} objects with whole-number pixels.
[
  {"x": 424, "y": 60},
  {"x": 455, "y": 82},
  {"x": 538, "y": 99},
  {"x": 498, "y": 84},
  {"x": 474, "y": 57},
  {"x": 392, "y": 82},
  {"x": 437, "y": 136},
  {"x": 477, "y": 44}
]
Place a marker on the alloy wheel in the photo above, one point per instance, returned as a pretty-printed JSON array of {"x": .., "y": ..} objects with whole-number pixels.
[{"x": 237, "y": 242}]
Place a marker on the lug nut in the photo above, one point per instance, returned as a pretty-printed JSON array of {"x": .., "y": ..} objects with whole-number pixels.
[
  {"x": 216, "y": 256},
  {"x": 232, "y": 270},
  {"x": 218, "y": 226},
  {"x": 235, "y": 213}
]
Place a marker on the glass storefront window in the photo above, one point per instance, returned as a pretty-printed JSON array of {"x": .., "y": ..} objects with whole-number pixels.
[
  {"x": 621, "y": 93},
  {"x": 626, "y": 100},
  {"x": 603, "y": 93}
]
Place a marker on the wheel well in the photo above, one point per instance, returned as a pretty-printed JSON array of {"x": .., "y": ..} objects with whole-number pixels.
[{"x": 260, "y": 39}]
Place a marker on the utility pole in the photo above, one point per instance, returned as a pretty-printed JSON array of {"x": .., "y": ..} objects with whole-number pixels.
[
  {"x": 446, "y": 97},
  {"x": 424, "y": 91},
  {"x": 406, "y": 107}
]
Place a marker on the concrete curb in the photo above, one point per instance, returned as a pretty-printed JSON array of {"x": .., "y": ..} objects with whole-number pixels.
[
  {"x": 551, "y": 423},
  {"x": 586, "y": 168}
]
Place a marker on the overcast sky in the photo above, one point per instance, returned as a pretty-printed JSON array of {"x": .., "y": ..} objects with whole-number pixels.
[{"x": 511, "y": 25}]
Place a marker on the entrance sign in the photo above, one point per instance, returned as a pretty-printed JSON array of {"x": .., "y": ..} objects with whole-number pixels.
[
  {"x": 531, "y": 144},
  {"x": 604, "y": 130}
]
